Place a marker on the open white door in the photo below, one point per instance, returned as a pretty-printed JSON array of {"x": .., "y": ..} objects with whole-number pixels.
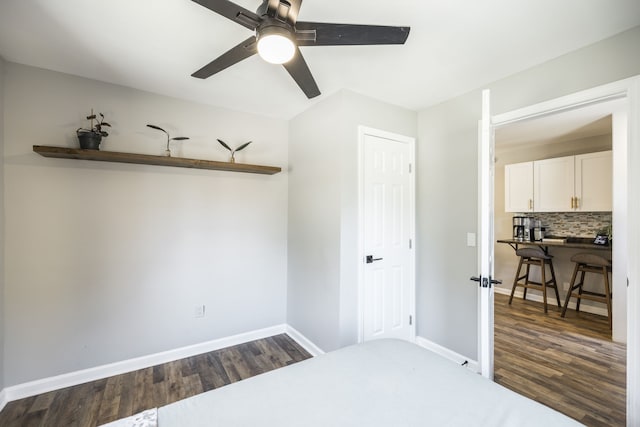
[{"x": 485, "y": 239}]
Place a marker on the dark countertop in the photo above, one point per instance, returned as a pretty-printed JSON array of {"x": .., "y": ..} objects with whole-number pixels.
[{"x": 571, "y": 242}]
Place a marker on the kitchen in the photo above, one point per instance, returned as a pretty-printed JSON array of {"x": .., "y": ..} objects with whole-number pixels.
[{"x": 554, "y": 187}]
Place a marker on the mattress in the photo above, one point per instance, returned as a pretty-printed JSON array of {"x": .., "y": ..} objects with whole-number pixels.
[{"x": 377, "y": 383}]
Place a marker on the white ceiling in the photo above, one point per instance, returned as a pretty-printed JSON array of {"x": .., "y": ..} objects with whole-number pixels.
[
  {"x": 454, "y": 46},
  {"x": 570, "y": 125}
]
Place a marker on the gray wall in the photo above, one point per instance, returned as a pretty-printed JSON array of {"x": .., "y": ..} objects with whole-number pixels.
[
  {"x": 447, "y": 179},
  {"x": 313, "y": 289},
  {"x": 2, "y": 308},
  {"x": 323, "y": 194},
  {"x": 105, "y": 261}
]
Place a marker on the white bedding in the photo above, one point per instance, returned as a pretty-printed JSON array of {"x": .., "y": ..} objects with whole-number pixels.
[
  {"x": 148, "y": 418},
  {"x": 378, "y": 383}
]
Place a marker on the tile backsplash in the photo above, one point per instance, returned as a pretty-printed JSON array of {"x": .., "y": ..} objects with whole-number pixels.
[{"x": 574, "y": 224}]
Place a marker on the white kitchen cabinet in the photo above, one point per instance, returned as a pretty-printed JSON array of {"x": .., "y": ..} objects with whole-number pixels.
[
  {"x": 518, "y": 190},
  {"x": 594, "y": 182},
  {"x": 553, "y": 188},
  {"x": 563, "y": 184}
]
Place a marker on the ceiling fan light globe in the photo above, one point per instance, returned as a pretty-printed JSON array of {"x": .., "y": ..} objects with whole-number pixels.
[{"x": 276, "y": 48}]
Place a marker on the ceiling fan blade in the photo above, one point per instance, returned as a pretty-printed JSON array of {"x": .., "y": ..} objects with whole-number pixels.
[
  {"x": 232, "y": 11},
  {"x": 299, "y": 70},
  {"x": 323, "y": 34},
  {"x": 242, "y": 51}
]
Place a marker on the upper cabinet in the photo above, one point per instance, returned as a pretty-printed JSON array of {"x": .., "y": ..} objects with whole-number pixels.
[
  {"x": 518, "y": 189},
  {"x": 553, "y": 184},
  {"x": 594, "y": 182},
  {"x": 563, "y": 184}
]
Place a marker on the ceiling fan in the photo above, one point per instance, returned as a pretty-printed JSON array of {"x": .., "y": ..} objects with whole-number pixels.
[{"x": 278, "y": 36}]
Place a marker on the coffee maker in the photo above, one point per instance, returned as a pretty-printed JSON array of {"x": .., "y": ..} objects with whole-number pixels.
[
  {"x": 527, "y": 223},
  {"x": 538, "y": 231},
  {"x": 527, "y": 229},
  {"x": 518, "y": 228}
]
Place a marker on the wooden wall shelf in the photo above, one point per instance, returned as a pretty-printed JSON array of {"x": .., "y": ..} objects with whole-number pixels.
[{"x": 146, "y": 159}]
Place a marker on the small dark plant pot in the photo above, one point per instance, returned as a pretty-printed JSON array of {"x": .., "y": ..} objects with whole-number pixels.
[{"x": 89, "y": 140}]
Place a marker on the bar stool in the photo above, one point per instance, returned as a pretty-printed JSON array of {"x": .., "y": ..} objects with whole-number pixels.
[
  {"x": 589, "y": 263},
  {"x": 537, "y": 257}
]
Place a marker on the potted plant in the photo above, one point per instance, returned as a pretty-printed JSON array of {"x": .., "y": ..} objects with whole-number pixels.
[
  {"x": 233, "y": 152},
  {"x": 90, "y": 138},
  {"x": 167, "y": 152}
]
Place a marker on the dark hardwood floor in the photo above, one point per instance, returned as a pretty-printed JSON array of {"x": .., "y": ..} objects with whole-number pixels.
[
  {"x": 569, "y": 364},
  {"x": 106, "y": 400}
]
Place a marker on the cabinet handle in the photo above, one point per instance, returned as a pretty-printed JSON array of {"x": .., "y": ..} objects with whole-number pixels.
[
  {"x": 577, "y": 205},
  {"x": 531, "y": 204},
  {"x": 572, "y": 203}
]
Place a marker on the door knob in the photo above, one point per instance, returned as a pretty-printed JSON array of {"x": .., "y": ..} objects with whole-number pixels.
[
  {"x": 485, "y": 281},
  {"x": 371, "y": 259}
]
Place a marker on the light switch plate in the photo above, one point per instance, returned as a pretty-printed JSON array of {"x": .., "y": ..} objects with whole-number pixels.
[
  {"x": 198, "y": 311},
  {"x": 471, "y": 239}
]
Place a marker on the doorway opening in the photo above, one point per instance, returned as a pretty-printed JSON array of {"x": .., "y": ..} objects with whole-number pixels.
[{"x": 544, "y": 356}]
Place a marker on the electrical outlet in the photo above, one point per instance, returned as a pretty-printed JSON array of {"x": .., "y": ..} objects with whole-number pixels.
[
  {"x": 565, "y": 286},
  {"x": 198, "y": 311}
]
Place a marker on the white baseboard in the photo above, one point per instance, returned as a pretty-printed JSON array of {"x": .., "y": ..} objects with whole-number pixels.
[
  {"x": 45, "y": 385},
  {"x": 3, "y": 399},
  {"x": 449, "y": 354},
  {"x": 313, "y": 349},
  {"x": 601, "y": 311}
]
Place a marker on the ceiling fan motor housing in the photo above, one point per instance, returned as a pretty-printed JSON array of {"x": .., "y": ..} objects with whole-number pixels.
[
  {"x": 272, "y": 26},
  {"x": 276, "y": 9}
]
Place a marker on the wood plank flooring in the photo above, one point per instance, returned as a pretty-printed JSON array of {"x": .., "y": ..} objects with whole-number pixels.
[
  {"x": 106, "y": 400},
  {"x": 569, "y": 364}
]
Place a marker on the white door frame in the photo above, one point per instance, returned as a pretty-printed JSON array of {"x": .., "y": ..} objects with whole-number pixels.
[
  {"x": 486, "y": 177},
  {"x": 628, "y": 89},
  {"x": 362, "y": 132}
]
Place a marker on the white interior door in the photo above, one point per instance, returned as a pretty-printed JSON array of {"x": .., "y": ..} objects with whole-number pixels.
[
  {"x": 486, "y": 163},
  {"x": 388, "y": 286}
]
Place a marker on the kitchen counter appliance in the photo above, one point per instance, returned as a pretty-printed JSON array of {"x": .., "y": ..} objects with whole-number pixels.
[
  {"x": 524, "y": 229},
  {"x": 538, "y": 231},
  {"x": 518, "y": 228}
]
